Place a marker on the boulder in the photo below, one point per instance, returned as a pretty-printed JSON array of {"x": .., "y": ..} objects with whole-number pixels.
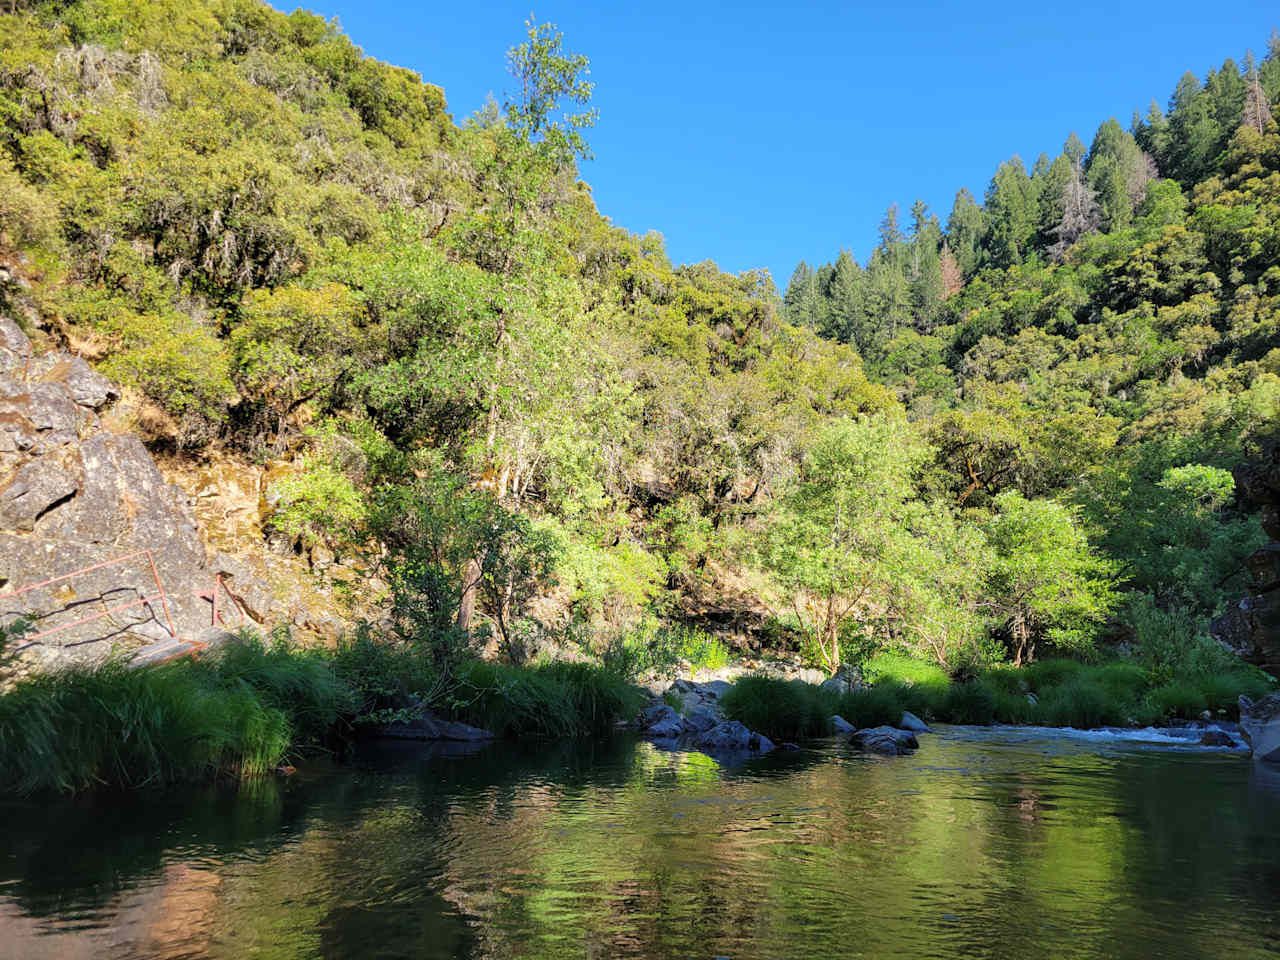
[
  {"x": 841, "y": 726},
  {"x": 885, "y": 740},
  {"x": 1216, "y": 738},
  {"x": 1260, "y": 726},
  {"x": 85, "y": 386},
  {"x": 913, "y": 723},
  {"x": 74, "y": 496},
  {"x": 426, "y": 726},
  {"x": 702, "y": 719},
  {"x": 731, "y": 736},
  {"x": 670, "y": 726}
]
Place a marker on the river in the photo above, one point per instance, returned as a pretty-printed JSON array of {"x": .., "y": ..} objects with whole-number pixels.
[{"x": 988, "y": 842}]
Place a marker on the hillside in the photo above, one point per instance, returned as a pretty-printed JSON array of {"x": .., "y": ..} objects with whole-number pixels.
[{"x": 418, "y": 344}]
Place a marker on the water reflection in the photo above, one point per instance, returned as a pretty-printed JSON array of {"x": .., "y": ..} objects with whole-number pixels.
[{"x": 984, "y": 844}]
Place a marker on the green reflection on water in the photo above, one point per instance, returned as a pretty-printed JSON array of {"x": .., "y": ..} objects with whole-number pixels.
[{"x": 979, "y": 845}]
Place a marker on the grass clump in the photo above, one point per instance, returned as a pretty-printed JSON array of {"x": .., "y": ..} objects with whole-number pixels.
[
  {"x": 785, "y": 709},
  {"x": 548, "y": 700},
  {"x": 130, "y": 728}
]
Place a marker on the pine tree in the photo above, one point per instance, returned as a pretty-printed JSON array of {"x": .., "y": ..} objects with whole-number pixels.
[
  {"x": 1194, "y": 134},
  {"x": 952, "y": 276},
  {"x": 1257, "y": 108},
  {"x": 966, "y": 232},
  {"x": 1011, "y": 211},
  {"x": 846, "y": 318},
  {"x": 1118, "y": 172},
  {"x": 799, "y": 303},
  {"x": 924, "y": 268},
  {"x": 1050, "y": 182},
  {"x": 1080, "y": 213}
]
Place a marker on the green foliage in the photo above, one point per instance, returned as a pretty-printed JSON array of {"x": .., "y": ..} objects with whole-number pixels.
[
  {"x": 786, "y": 709},
  {"x": 1044, "y": 580},
  {"x": 318, "y": 503},
  {"x": 547, "y": 700},
  {"x": 115, "y": 726}
]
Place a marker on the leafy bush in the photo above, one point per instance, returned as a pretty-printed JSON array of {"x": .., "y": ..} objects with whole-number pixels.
[
  {"x": 384, "y": 678},
  {"x": 318, "y": 503},
  {"x": 1082, "y": 702},
  {"x": 904, "y": 670}
]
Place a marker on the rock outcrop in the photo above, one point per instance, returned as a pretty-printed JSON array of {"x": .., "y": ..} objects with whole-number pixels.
[
  {"x": 1251, "y": 628},
  {"x": 74, "y": 495},
  {"x": 427, "y": 726},
  {"x": 704, "y": 730},
  {"x": 889, "y": 741},
  {"x": 1260, "y": 727},
  {"x": 913, "y": 723}
]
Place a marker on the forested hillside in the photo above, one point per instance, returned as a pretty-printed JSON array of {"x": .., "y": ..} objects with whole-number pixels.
[{"x": 1010, "y": 435}]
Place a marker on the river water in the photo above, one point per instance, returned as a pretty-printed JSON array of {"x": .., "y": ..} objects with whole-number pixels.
[{"x": 986, "y": 843}]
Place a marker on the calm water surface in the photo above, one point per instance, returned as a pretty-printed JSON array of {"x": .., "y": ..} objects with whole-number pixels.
[{"x": 986, "y": 843}]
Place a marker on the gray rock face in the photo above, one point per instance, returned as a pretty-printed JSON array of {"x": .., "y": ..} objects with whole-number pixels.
[
  {"x": 840, "y": 726},
  {"x": 913, "y": 723},
  {"x": 1260, "y": 727},
  {"x": 885, "y": 740},
  {"x": 73, "y": 495},
  {"x": 36, "y": 487}
]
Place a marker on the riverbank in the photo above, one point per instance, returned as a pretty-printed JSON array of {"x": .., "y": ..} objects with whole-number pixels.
[
  {"x": 249, "y": 707},
  {"x": 1049, "y": 693}
]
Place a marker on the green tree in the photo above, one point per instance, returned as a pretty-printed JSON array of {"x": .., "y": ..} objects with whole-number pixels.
[
  {"x": 840, "y": 535},
  {"x": 1044, "y": 583}
]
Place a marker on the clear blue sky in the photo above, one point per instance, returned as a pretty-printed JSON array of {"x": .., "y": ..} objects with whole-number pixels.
[{"x": 757, "y": 135}]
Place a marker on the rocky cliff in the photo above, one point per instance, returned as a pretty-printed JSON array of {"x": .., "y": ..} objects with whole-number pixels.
[
  {"x": 74, "y": 495},
  {"x": 1251, "y": 628}
]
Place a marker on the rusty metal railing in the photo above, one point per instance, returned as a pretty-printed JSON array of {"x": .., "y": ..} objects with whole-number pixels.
[
  {"x": 147, "y": 601},
  {"x": 212, "y": 596}
]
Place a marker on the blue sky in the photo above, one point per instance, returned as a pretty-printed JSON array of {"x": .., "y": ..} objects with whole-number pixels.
[{"x": 760, "y": 134}]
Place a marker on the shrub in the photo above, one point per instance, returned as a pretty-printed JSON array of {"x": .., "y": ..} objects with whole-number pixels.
[
  {"x": 873, "y": 706},
  {"x": 383, "y": 678},
  {"x": 1179, "y": 700},
  {"x": 904, "y": 670},
  {"x": 318, "y": 503}
]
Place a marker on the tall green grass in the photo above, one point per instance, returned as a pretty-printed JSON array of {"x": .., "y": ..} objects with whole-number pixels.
[
  {"x": 1066, "y": 693},
  {"x": 130, "y": 728},
  {"x": 548, "y": 700}
]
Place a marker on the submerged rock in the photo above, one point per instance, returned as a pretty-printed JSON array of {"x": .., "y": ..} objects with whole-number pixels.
[
  {"x": 913, "y": 723},
  {"x": 1216, "y": 738},
  {"x": 885, "y": 740},
  {"x": 426, "y": 726},
  {"x": 1260, "y": 726}
]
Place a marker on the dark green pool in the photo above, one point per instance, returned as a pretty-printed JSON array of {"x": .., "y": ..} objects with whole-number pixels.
[{"x": 986, "y": 843}]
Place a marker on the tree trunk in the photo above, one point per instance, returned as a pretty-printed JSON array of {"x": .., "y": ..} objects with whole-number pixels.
[{"x": 470, "y": 584}]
